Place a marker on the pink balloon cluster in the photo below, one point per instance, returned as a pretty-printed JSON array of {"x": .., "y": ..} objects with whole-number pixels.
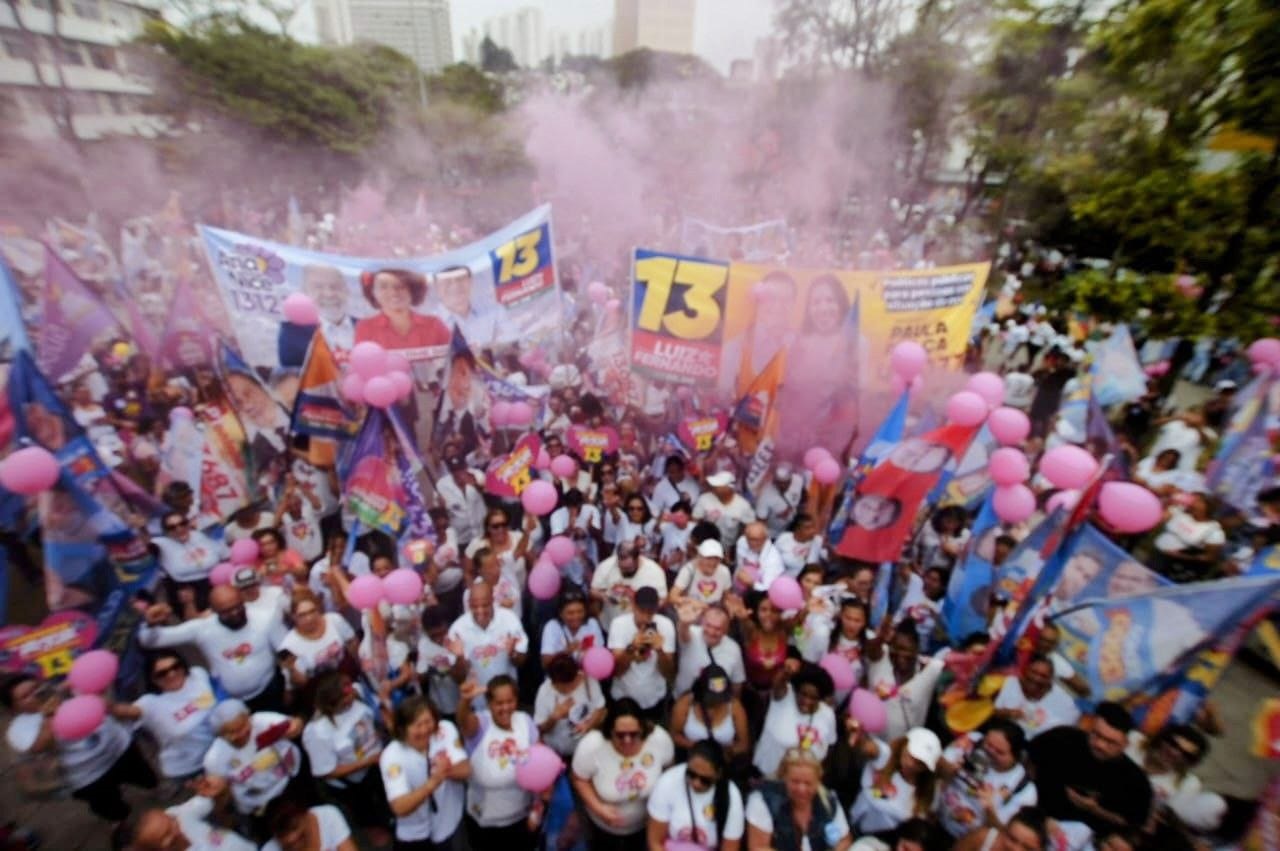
[
  {"x": 511, "y": 414},
  {"x": 78, "y": 717},
  {"x": 93, "y": 672},
  {"x": 1264, "y": 354},
  {"x": 825, "y": 468},
  {"x": 1129, "y": 508},
  {"x": 366, "y": 592},
  {"x": 1008, "y": 426},
  {"x": 544, "y": 579},
  {"x": 299, "y": 309},
  {"x": 377, "y": 378},
  {"x": 29, "y": 471},
  {"x": 539, "y": 498},
  {"x": 1068, "y": 467},
  {"x": 989, "y": 386},
  {"x": 403, "y": 587},
  {"x": 560, "y": 550},
  {"x": 967, "y": 408}
]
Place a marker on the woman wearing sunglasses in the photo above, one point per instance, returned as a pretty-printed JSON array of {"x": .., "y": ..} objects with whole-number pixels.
[
  {"x": 696, "y": 802},
  {"x": 614, "y": 772},
  {"x": 509, "y": 545},
  {"x": 175, "y": 710}
]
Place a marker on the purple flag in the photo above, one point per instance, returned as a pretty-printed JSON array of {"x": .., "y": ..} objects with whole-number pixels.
[{"x": 72, "y": 317}]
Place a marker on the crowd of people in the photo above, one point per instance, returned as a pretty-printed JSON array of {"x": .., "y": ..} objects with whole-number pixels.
[{"x": 278, "y": 715}]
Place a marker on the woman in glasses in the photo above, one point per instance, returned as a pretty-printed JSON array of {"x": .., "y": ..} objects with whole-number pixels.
[
  {"x": 510, "y": 546},
  {"x": 986, "y": 782},
  {"x": 796, "y": 812},
  {"x": 696, "y": 802},
  {"x": 638, "y": 522},
  {"x": 318, "y": 642},
  {"x": 423, "y": 773},
  {"x": 186, "y": 557},
  {"x": 342, "y": 743},
  {"x": 614, "y": 773},
  {"x": 175, "y": 710},
  {"x": 1027, "y": 830},
  {"x": 573, "y": 630}
]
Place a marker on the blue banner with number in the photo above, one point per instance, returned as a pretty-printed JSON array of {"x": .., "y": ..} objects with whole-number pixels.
[{"x": 499, "y": 289}]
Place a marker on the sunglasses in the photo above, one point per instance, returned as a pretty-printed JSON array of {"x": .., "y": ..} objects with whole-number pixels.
[
  {"x": 700, "y": 779},
  {"x": 172, "y": 527},
  {"x": 626, "y": 735},
  {"x": 497, "y": 525},
  {"x": 161, "y": 673}
]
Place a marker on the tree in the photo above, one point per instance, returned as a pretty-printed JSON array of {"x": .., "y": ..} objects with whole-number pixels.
[
  {"x": 467, "y": 85},
  {"x": 495, "y": 59},
  {"x": 850, "y": 34}
]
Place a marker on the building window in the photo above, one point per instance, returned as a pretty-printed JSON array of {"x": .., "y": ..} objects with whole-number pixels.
[
  {"x": 69, "y": 54},
  {"x": 85, "y": 103},
  {"x": 103, "y": 58},
  {"x": 17, "y": 46},
  {"x": 87, "y": 9}
]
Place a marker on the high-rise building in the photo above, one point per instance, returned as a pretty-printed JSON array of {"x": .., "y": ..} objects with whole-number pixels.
[
  {"x": 656, "y": 24},
  {"x": 417, "y": 28},
  {"x": 521, "y": 33},
  {"x": 59, "y": 64}
]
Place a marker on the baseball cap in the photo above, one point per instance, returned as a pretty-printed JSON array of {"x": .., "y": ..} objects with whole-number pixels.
[
  {"x": 720, "y": 480},
  {"x": 710, "y": 549},
  {"x": 455, "y": 462},
  {"x": 924, "y": 745},
  {"x": 647, "y": 599},
  {"x": 226, "y": 712},
  {"x": 244, "y": 577},
  {"x": 1225, "y": 384},
  {"x": 782, "y": 471},
  {"x": 714, "y": 686}
]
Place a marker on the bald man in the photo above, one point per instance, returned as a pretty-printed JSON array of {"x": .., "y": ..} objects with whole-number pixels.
[
  {"x": 488, "y": 638},
  {"x": 184, "y": 827},
  {"x": 759, "y": 561},
  {"x": 237, "y": 645}
]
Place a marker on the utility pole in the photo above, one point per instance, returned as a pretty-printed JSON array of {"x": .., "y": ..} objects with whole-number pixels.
[{"x": 417, "y": 53}]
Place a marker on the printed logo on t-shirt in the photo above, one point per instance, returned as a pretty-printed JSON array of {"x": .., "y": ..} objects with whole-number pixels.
[
  {"x": 394, "y": 770},
  {"x": 633, "y": 779},
  {"x": 706, "y": 588},
  {"x": 486, "y": 653},
  {"x": 504, "y": 752},
  {"x": 238, "y": 653},
  {"x": 806, "y": 736},
  {"x": 203, "y": 701},
  {"x": 622, "y": 595},
  {"x": 329, "y": 657}
]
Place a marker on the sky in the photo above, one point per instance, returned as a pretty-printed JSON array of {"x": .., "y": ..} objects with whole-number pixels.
[{"x": 724, "y": 30}]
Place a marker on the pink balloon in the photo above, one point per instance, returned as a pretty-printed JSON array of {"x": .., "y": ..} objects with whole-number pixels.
[
  {"x": 299, "y": 309},
  {"x": 908, "y": 359},
  {"x": 1068, "y": 467},
  {"x": 244, "y": 551},
  {"x": 544, "y": 581},
  {"x": 560, "y": 550},
  {"x": 521, "y": 413},
  {"x": 180, "y": 414},
  {"x": 827, "y": 471},
  {"x": 397, "y": 362},
  {"x": 368, "y": 359},
  {"x": 1014, "y": 503},
  {"x": 564, "y": 467},
  {"x": 221, "y": 575},
  {"x": 966, "y": 408},
  {"x": 598, "y": 663},
  {"x": 93, "y": 672},
  {"x": 684, "y": 393},
  {"x": 1128, "y": 507},
  {"x": 353, "y": 388},
  {"x": 1009, "y": 466},
  {"x": 1266, "y": 350},
  {"x": 402, "y": 383},
  {"x": 1066, "y": 500},
  {"x": 989, "y": 386},
  {"x": 500, "y": 414},
  {"x": 380, "y": 392},
  {"x": 539, "y": 498},
  {"x": 814, "y": 455},
  {"x": 840, "y": 670},
  {"x": 613, "y": 305},
  {"x": 29, "y": 471},
  {"x": 786, "y": 594},
  {"x": 78, "y": 717},
  {"x": 1009, "y": 426},
  {"x": 598, "y": 292},
  {"x": 538, "y": 771},
  {"x": 869, "y": 710},
  {"x": 366, "y": 592},
  {"x": 402, "y": 586},
  {"x": 543, "y": 461}
]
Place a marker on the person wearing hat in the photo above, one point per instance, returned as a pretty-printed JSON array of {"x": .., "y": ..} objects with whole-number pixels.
[
  {"x": 780, "y": 499},
  {"x": 898, "y": 782},
  {"x": 704, "y": 579},
  {"x": 799, "y": 716},
  {"x": 711, "y": 710},
  {"x": 704, "y": 640},
  {"x": 644, "y": 645},
  {"x": 264, "y": 601},
  {"x": 239, "y": 648},
  {"x": 620, "y": 577},
  {"x": 255, "y": 758},
  {"x": 724, "y": 506}
]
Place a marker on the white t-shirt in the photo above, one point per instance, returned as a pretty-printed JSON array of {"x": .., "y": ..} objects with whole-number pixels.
[
  {"x": 642, "y": 680},
  {"x": 696, "y": 585},
  {"x": 625, "y": 782},
  {"x": 729, "y": 519},
  {"x": 179, "y": 720},
  {"x": 348, "y": 737},
  {"x": 506, "y": 595},
  {"x": 906, "y": 704},
  {"x": 777, "y": 507},
  {"x": 959, "y": 809},
  {"x": 242, "y": 660},
  {"x": 256, "y": 775},
  {"x": 82, "y": 761},
  {"x": 1182, "y": 531},
  {"x": 302, "y": 532},
  {"x": 670, "y": 803},
  {"x": 465, "y": 505},
  {"x": 486, "y": 649},
  {"x": 494, "y": 799},
  {"x": 759, "y": 817},
  {"x": 619, "y": 590},
  {"x": 190, "y": 561},
  {"x": 878, "y": 809},
  {"x": 1055, "y": 709},
  {"x": 317, "y": 655},
  {"x": 405, "y": 769},
  {"x": 333, "y": 829},
  {"x": 796, "y": 554},
  {"x": 192, "y": 818},
  {"x": 506, "y": 558},
  {"x": 785, "y": 728},
  {"x": 674, "y": 539},
  {"x": 556, "y": 638},
  {"x": 587, "y": 697},
  {"x": 436, "y": 663},
  {"x": 1176, "y": 434},
  {"x": 694, "y": 657},
  {"x": 765, "y": 566},
  {"x": 358, "y": 565},
  {"x": 665, "y": 495}
]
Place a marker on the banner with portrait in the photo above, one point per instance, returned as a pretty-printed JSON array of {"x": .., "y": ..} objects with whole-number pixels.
[
  {"x": 499, "y": 289},
  {"x": 677, "y": 317}
]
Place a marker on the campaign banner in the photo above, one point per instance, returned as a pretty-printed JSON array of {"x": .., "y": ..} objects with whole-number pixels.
[
  {"x": 764, "y": 242},
  {"x": 967, "y": 605},
  {"x": 72, "y": 318},
  {"x": 182, "y": 452},
  {"x": 677, "y": 317},
  {"x": 499, "y": 289},
  {"x": 47, "y": 649},
  {"x": 224, "y": 468},
  {"x": 508, "y": 475},
  {"x": 13, "y": 333},
  {"x": 371, "y": 483},
  {"x": 888, "y": 435},
  {"x": 1243, "y": 465},
  {"x": 699, "y": 433},
  {"x": 592, "y": 444},
  {"x": 1097, "y": 568},
  {"x": 1117, "y": 372}
]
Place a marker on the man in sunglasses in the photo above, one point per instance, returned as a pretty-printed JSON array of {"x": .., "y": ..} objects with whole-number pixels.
[
  {"x": 620, "y": 577},
  {"x": 237, "y": 647},
  {"x": 187, "y": 556}
]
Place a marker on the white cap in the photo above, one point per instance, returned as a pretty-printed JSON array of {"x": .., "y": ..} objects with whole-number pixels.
[
  {"x": 711, "y": 548},
  {"x": 924, "y": 745},
  {"x": 720, "y": 480},
  {"x": 226, "y": 712},
  {"x": 782, "y": 471},
  {"x": 1225, "y": 384}
]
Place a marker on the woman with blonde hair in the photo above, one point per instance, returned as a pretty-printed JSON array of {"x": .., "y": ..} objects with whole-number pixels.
[{"x": 796, "y": 812}]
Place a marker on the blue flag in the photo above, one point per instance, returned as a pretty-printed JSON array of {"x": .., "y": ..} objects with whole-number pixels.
[
  {"x": 13, "y": 333},
  {"x": 1243, "y": 465},
  {"x": 886, "y": 437},
  {"x": 965, "y": 609},
  {"x": 1028, "y": 575}
]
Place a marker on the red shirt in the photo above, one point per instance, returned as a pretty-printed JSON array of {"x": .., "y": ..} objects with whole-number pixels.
[{"x": 428, "y": 337}]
